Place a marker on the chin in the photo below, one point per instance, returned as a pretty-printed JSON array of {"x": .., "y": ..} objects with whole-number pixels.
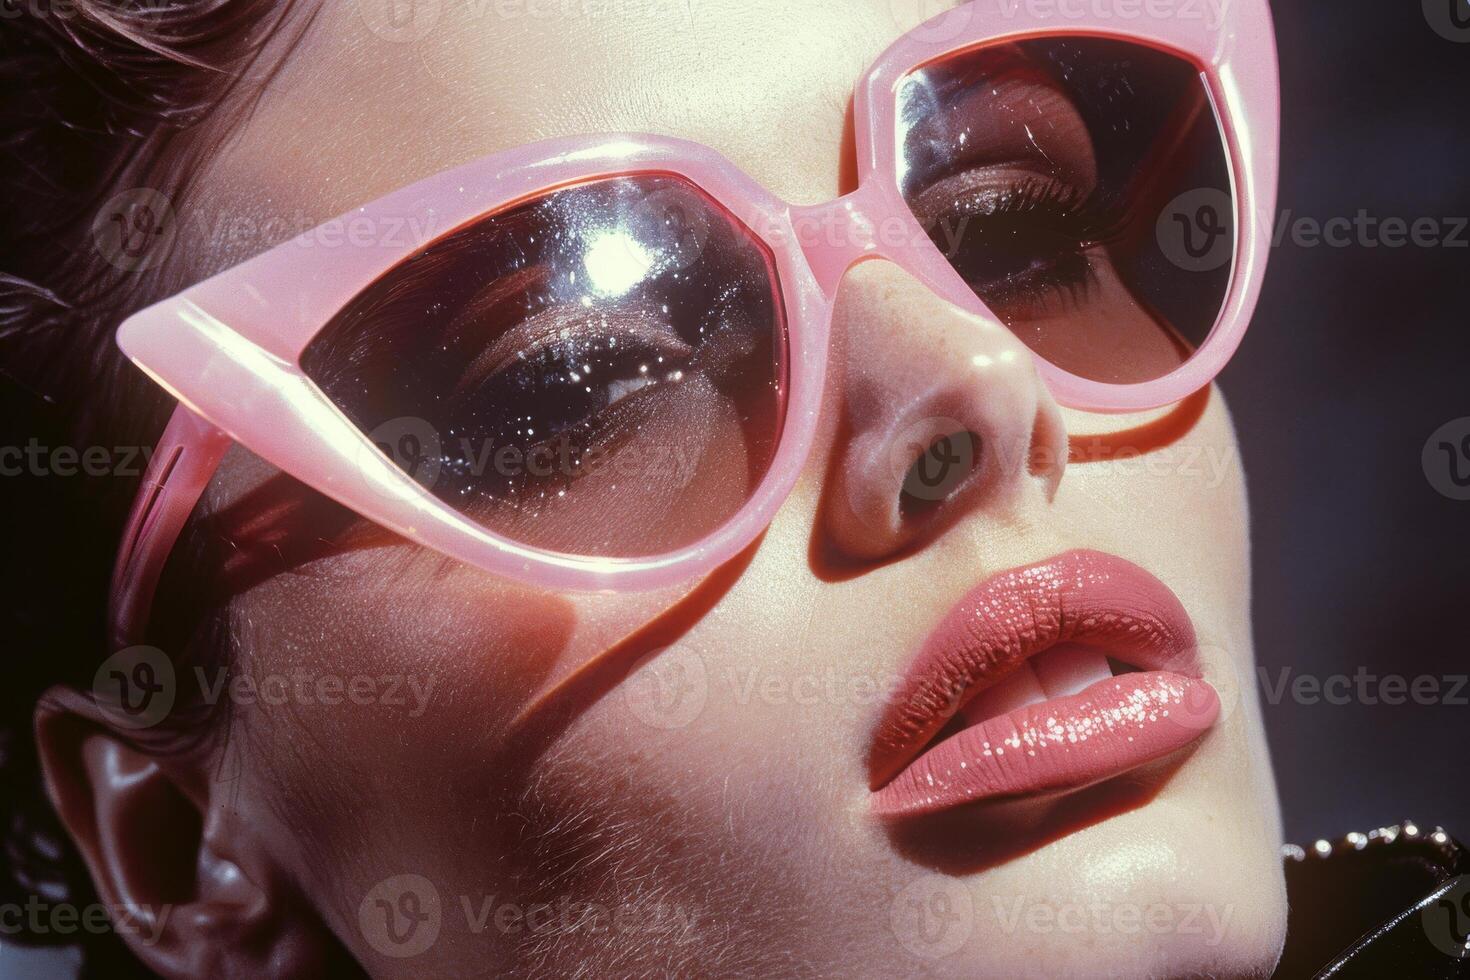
[{"x": 1167, "y": 890}]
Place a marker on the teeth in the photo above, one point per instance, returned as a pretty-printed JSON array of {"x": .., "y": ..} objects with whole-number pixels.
[
  {"x": 1070, "y": 667},
  {"x": 1016, "y": 690},
  {"x": 1062, "y": 670}
]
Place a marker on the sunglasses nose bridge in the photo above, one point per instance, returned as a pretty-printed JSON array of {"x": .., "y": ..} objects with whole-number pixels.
[{"x": 838, "y": 234}]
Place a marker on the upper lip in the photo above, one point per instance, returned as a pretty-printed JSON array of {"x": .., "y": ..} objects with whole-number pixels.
[{"x": 1077, "y": 596}]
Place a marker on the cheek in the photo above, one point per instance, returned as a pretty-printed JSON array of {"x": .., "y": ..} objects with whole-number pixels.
[
  {"x": 432, "y": 664},
  {"x": 705, "y": 778},
  {"x": 1167, "y": 479},
  {"x": 402, "y": 680},
  {"x": 718, "y": 767},
  {"x": 1180, "y": 510}
]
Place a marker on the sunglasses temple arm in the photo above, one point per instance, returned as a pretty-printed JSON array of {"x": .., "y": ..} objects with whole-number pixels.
[{"x": 186, "y": 457}]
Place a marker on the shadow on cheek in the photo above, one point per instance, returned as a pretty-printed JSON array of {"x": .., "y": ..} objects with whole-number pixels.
[
  {"x": 528, "y": 634},
  {"x": 543, "y": 721},
  {"x": 1163, "y": 431},
  {"x": 279, "y": 526},
  {"x": 489, "y": 644}
]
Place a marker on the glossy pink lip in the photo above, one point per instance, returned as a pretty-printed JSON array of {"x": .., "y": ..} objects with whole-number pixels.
[{"x": 1110, "y": 727}]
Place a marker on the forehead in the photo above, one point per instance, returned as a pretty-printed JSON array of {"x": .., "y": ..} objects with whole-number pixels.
[{"x": 378, "y": 94}]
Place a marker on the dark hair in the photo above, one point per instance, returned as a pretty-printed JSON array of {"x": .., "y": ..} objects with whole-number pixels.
[{"x": 96, "y": 97}]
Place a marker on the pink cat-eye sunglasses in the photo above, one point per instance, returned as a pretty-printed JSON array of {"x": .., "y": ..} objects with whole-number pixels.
[{"x": 604, "y": 372}]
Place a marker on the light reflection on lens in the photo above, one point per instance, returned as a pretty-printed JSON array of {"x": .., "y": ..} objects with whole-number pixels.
[{"x": 603, "y": 366}]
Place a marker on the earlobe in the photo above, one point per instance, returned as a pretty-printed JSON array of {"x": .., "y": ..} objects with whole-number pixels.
[{"x": 191, "y": 893}]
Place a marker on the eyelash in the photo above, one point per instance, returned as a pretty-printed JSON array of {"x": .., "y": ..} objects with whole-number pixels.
[
  {"x": 1095, "y": 218},
  {"x": 1069, "y": 221},
  {"x": 558, "y": 362}
]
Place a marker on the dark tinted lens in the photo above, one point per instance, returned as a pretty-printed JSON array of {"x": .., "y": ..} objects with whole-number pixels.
[
  {"x": 599, "y": 371},
  {"x": 1081, "y": 187}
]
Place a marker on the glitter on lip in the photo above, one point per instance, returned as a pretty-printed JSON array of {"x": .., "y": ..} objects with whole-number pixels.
[
  {"x": 1113, "y": 725},
  {"x": 1058, "y": 744}
]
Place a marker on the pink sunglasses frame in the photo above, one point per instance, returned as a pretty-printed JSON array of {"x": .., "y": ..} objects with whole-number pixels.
[{"x": 228, "y": 348}]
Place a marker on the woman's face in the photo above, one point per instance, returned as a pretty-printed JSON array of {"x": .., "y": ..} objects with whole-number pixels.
[{"x": 680, "y": 782}]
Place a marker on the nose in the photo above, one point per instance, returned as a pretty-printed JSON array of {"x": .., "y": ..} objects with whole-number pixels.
[{"x": 943, "y": 412}]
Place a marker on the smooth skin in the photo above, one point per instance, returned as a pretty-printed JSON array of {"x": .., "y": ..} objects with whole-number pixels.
[{"x": 570, "y": 819}]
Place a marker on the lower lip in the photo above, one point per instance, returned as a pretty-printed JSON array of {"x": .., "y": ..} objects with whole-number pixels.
[{"x": 1056, "y": 745}]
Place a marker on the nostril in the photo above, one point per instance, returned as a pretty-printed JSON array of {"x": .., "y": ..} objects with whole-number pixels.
[{"x": 938, "y": 473}]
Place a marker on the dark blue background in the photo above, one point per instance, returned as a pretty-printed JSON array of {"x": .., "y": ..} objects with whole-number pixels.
[{"x": 1355, "y": 357}]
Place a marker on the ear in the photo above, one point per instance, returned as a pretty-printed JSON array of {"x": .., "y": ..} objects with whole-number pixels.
[{"x": 192, "y": 890}]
